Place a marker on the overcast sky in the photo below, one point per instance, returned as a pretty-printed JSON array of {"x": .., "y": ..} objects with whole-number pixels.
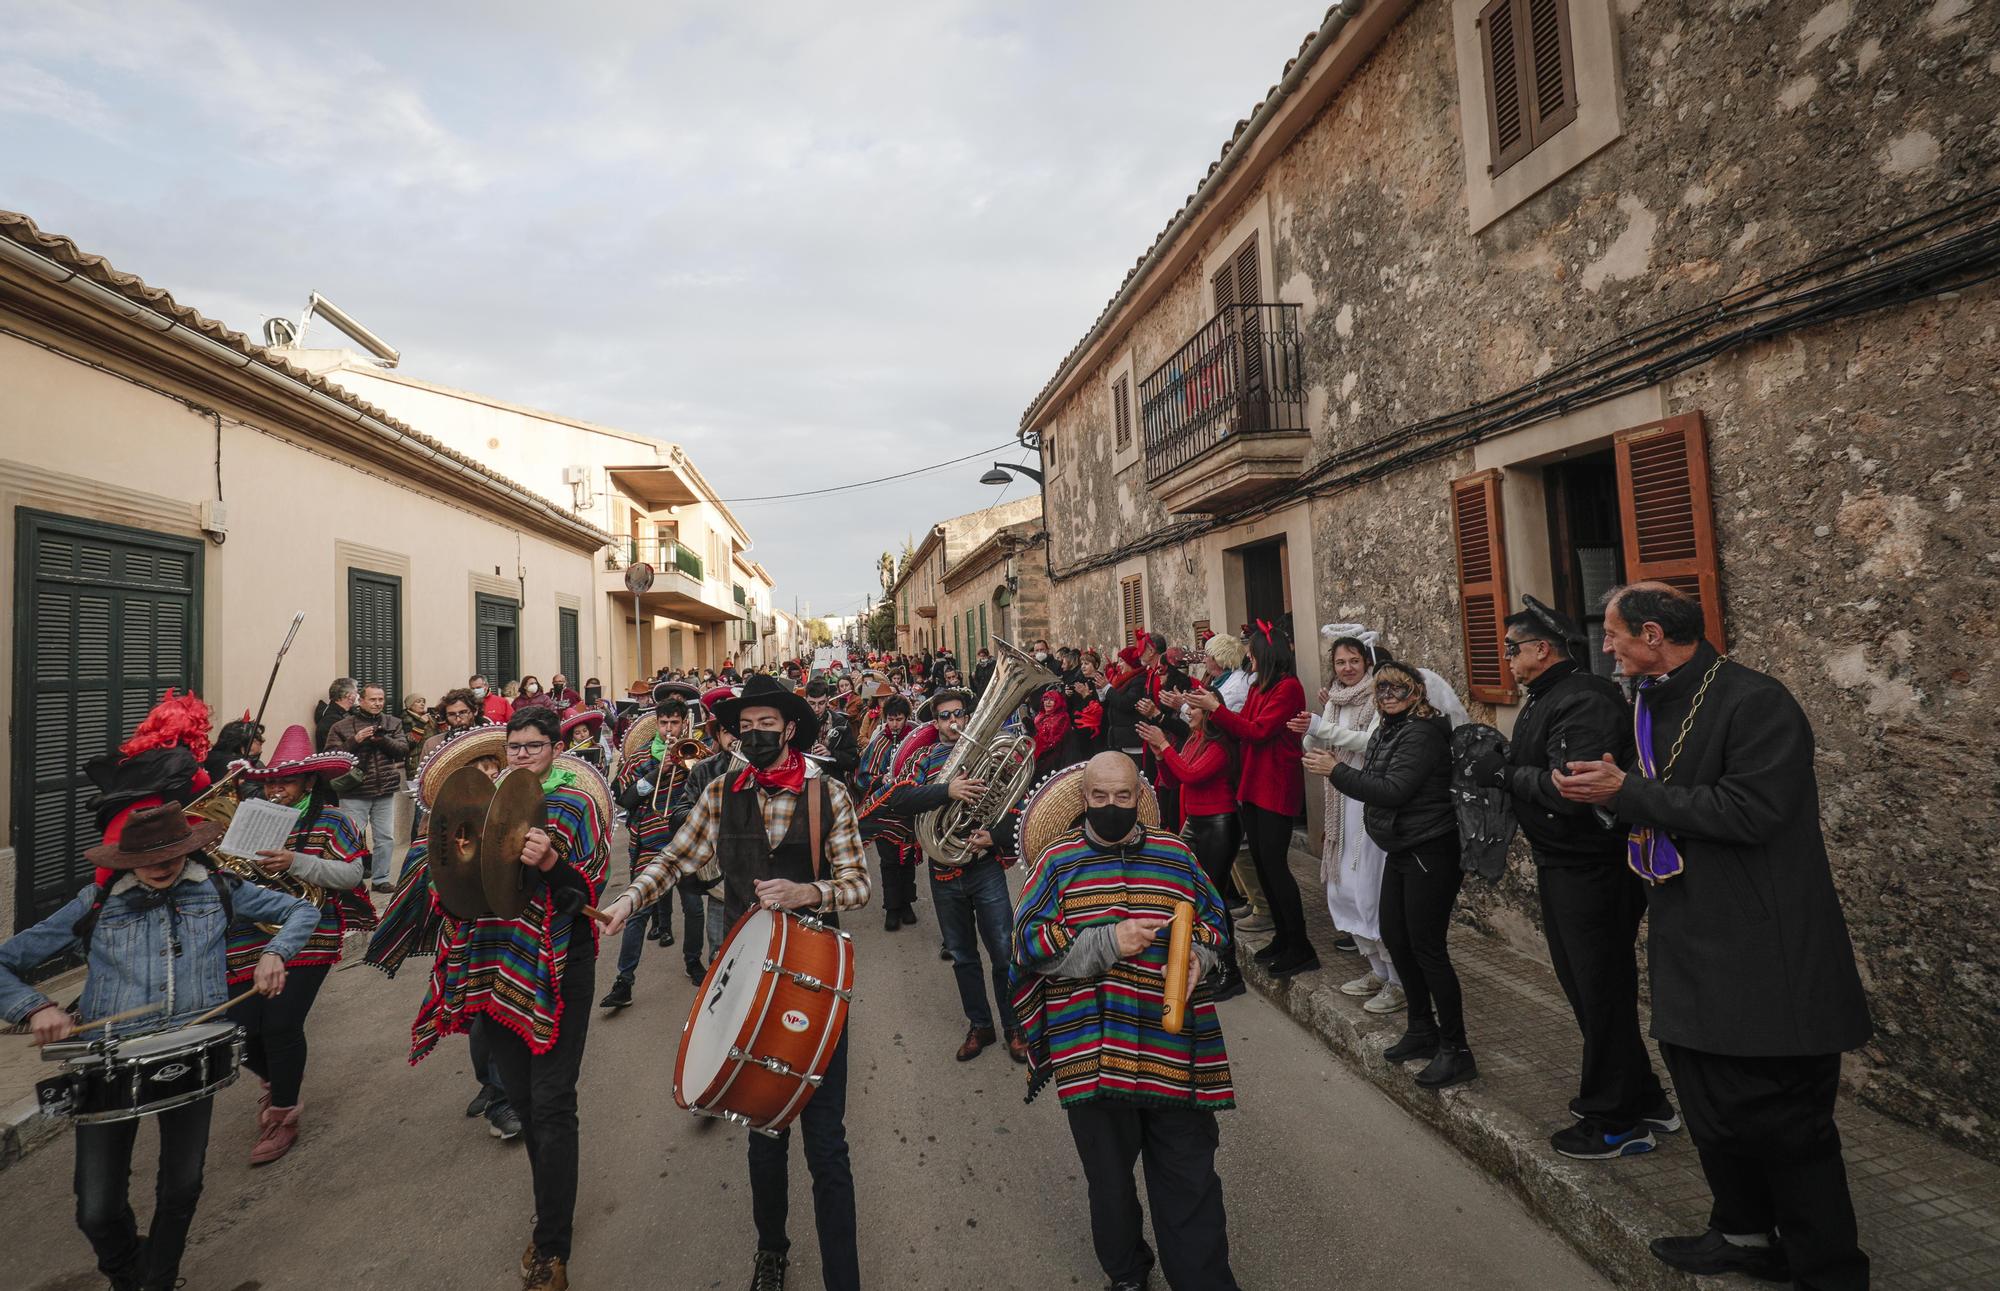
[{"x": 815, "y": 243}]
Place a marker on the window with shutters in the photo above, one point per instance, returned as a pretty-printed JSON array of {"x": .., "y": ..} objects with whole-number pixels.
[
  {"x": 567, "y": 635},
  {"x": 375, "y": 631},
  {"x": 1122, "y": 406},
  {"x": 496, "y": 639},
  {"x": 1530, "y": 75},
  {"x": 1666, "y": 514},
  {"x": 1121, "y": 413},
  {"x": 1482, "y": 585},
  {"x": 1131, "y": 604}
]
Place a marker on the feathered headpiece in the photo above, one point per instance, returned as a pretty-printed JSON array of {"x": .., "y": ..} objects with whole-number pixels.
[
  {"x": 1367, "y": 636},
  {"x": 176, "y": 719}
]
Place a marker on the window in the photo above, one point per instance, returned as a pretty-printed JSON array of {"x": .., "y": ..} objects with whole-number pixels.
[
  {"x": 1237, "y": 281},
  {"x": 1667, "y": 517},
  {"x": 375, "y": 631},
  {"x": 1132, "y": 603},
  {"x": 1482, "y": 585},
  {"x": 1121, "y": 413},
  {"x": 566, "y": 645},
  {"x": 1530, "y": 75},
  {"x": 497, "y": 640}
]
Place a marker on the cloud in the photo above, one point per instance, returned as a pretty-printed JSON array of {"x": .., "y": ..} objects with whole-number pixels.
[{"x": 27, "y": 90}]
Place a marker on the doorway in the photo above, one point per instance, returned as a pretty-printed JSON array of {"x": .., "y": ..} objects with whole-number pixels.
[
  {"x": 1586, "y": 544},
  {"x": 1266, "y": 584}
]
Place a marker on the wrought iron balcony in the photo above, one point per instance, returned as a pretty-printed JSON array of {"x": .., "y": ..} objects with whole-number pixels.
[{"x": 1224, "y": 418}]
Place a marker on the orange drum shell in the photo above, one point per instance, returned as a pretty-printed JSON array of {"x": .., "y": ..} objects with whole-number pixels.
[{"x": 770, "y": 1100}]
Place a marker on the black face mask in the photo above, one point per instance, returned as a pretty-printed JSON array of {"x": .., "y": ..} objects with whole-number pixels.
[
  {"x": 1111, "y": 824},
  {"x": 763, "y": 748}
]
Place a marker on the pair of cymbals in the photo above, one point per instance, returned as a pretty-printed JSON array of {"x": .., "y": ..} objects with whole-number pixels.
[{"x": 478, "y": 827}]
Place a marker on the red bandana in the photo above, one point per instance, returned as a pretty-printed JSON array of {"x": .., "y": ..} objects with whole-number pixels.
[{"x": 789, "y": 775}]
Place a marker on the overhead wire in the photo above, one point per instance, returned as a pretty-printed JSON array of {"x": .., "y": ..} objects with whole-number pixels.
[{"x": 866, "y": 484}]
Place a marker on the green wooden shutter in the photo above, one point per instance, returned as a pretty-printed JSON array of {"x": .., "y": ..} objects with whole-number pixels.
[
  {"x": 496, "y": 648},
  {"x": 375, "y": 631},
  {"x": 566, "y": 645}
]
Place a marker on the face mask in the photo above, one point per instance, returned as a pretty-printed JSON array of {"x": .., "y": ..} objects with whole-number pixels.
[
  {"x": 1111, "y": 824},
  {"x": 534, "y": 690},
  {"x": 763, "y": 748},
  {"x": 1041, "y": 656},
  {"x": 479, "y": 692}
]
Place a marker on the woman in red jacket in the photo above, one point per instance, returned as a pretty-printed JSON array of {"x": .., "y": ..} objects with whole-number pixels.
[
  {"x": 1272, "y": 789},
  {"x": 1205, "y": 767}
]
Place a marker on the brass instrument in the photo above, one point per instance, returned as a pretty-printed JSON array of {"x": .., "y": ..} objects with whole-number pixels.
[
  {"x": 674, "y": 771},
  {"x": 213, "y": 804},
  {"x": 986, "y": 752}
]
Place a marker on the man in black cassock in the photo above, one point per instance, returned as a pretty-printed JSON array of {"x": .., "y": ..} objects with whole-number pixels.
[{"x": 1755, "y": 991}]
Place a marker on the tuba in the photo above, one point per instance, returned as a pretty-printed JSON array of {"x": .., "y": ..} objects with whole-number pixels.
[{"x": 985, "y": 751}]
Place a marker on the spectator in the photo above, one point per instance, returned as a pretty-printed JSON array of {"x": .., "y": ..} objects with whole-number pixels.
[
  {"x": 530, "y": 694},
  {"x": 339, "y": 701},
  {"x": 1205, "y": 768},
  {"x": 560, "y": 697},
  {"x": 1222, "y": 666},
  {"x": 1405, "y": 788},
  {"x": 379, "y": 742},
  {"x": 1271, "y": 791},
  {"x": 1121, "y": 695},
  {"x": 494, "y": 708},
  {"x": 238, "y": 741},
  {"x": 982, "y": 673},
  {"x": 1053, "y": 745},
  {"x": 420, "y": 724}
]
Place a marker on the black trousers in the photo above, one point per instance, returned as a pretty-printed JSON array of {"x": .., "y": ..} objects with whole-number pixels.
[
  {"x": 541, "y": 1088},
  {"x": 1270, "y": 837},
  {"x": 1212, "y": 839},
  {"x": 1177, "y": 1147},
  {"x": 1764, "y": 1129},
  {"x": 1419, "y": 888},
  {"x": 1591, "y": 915},
  {"x": 104, "y": 1186},
  {"x": 899, "y": 881},
  {"x": 274, "y": 1029},
  {"x": 823, "y": 1123}
]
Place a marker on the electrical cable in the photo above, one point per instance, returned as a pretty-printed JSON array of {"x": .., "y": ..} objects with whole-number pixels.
[{"x": 863, "y": 484}]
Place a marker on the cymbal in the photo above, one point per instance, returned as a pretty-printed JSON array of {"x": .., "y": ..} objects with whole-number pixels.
[
  {"x": 457, "y": 819},
  {"x": 518, "y": 806}
]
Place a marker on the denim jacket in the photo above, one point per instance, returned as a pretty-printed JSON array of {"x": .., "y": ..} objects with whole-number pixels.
[{"x": 173, "y": 953}]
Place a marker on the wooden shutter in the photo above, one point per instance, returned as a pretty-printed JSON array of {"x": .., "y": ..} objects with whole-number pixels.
[
  {"x": 375, "y": 631},
  {"x": 1121, "y": 412},
  {"x": 1668, "y": 519},
  {"x": 1223, "y": 286},
  {"x": 567, "y": 646},
  {"x": 1132, "y": 604},
  {"x": 1529, "y": 73},
  {"x": 1482, "y": 585}
]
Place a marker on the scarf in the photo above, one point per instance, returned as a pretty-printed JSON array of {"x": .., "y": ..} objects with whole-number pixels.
[
  {"x": 557, "y": 777},
  {"x": 1357, "y": 701},
  {"x": 1050, "y": 727},
  {"x": 659, "y": 750},
  {"x": 787, "y": 775}
]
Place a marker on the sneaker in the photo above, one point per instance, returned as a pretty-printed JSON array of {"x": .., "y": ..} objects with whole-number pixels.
[
  {"x": 1388, "y": 1000},
  {"x": 1712, "y": 1254},
  {"x": 502, "y": 1123},
  {"x": 1257, "y": 923},
  {"x": 1345, "y": 942},
  {"x": 481, "y": 1100},
  {"x": 619, "y": 996},
  {"x": 695, "y": 971},
  {"x": 1239, "y": 910},
  {"x": 381, "y": 885},
  {"x": 769, "y": 1271},
  {"x": 1662, "y": 1119},
  {"x": 1365, "y": 985},
  {"x": 1594, "y": 1140}
]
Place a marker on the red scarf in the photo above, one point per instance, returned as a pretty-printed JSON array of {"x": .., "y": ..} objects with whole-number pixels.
[{"x": 787, "y": 774}]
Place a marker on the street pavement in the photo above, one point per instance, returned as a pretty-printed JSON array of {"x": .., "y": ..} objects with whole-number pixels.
[{"x": 962, "y": 1186}]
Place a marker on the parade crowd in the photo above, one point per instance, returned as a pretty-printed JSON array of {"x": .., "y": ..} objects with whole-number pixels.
[{"x": 1682, "y": 791}]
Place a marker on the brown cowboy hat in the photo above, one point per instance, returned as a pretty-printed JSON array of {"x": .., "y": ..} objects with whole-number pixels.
[{"x": 152, "y": 835}]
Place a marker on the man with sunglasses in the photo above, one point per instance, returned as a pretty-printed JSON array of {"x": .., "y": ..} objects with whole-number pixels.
[
  {"x": 971, "y": 900},
  {"x": 532, "y": 978},
  {"x": 1591, "y": 903}
]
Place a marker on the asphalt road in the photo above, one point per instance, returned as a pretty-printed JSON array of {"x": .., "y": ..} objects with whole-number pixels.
[{"x": 962, "y": 1186}]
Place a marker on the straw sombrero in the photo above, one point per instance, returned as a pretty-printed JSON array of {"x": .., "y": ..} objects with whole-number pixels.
[
  {"x": 1055, "y": 806},
  {"x": 640, "y": 737},
  {"x": 455, "y": 752},
  {"x": 591, "y": 781}
]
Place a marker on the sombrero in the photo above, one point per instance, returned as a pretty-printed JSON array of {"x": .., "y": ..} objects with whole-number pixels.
[
  {"x": 455, "y": 752},
  {"x": 294, "y": 756},
  {"x": 640, "y": 737},
  {"x": 583, "y": 717},
  {"x": 1053, "y": 808},
  {"x": 591, "y": 781},
  {"x": 665, "y": 690},
  {"x": 152, "y": 835}
]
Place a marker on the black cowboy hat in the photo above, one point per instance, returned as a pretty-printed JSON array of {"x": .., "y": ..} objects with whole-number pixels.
[
  {"x": 152, "y": 835},
  {"x": 762, "y": 691}
]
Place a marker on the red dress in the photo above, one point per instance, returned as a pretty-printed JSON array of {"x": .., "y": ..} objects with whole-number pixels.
[{"x": 1272, "y": 778}]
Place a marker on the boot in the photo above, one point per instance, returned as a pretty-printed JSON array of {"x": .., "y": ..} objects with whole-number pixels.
[
  {"x": 976, "y": 1040},
  {"x": 769, "y": 1272},
  {"x": 1452, "y": 1066},
  {"x": 279, "y": 1129},
  {"x": 548, "y": 1274},
  {"x": 1420, "y": 1041},
  {"x": 1230, "y": 984},
  {"x": 264, "y": 1098},
  {"x": 1017, "y": 1045},
  {"x": 892, "y": 919},
  {"x": 619, "y": 996}
]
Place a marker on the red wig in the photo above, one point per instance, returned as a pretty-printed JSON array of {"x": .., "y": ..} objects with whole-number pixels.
[{"x": 176, "y": 719}]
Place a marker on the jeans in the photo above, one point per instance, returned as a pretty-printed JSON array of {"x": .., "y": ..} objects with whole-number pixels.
[
  {"x": 823, "y": 1124},
  {"x": 1591, "y": 915},
  {"x": 487, "y": 1074},
  {"x": 541, "y": 1088},
  {"x": 379, "y": 815},
  {"x": 1270, "y": 837},
  {"x": 974, "y": 908},
  {"x": 632, "y": 942},
  {"x": 1177, "y": 1146},
  {"x": 1419, "y": 888},
  {"x": 275, "y": 1032},
  {"x": 103, "y": 1194}
]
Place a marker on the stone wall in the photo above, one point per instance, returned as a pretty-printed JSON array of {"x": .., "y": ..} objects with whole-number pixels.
[{"x": 1853, "y": 466}]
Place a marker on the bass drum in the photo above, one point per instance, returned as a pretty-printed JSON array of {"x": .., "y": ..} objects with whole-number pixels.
[
  {"x": 767, "y": 1019},
  {"x": 124, "y": 1079}
]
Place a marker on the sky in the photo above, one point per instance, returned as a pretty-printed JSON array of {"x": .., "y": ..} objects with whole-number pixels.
[{"x": 815, "y": 244}]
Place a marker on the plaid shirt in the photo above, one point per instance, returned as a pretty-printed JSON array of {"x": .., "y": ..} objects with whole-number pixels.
[{"x": 693, "y": 847}]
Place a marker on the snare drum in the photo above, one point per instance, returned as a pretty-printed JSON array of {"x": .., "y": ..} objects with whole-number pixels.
[
  {"x": 764, "y": 1026},
  {"x": 127, "y": 1077}
]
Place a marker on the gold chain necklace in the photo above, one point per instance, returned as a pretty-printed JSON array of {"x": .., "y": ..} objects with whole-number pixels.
[{"x": 1687, "y": 723}]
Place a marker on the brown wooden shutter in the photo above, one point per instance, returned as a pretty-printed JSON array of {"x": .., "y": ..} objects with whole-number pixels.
[
  {"x": 1121, "y": 412},
  {"x": 1482, "y": 585},
  {"x": 1249, "y": 282},
  {"x": 1553, "y": 99},
  {"x": 1223, "y": 286},
  {"x": 1669, "y": 521},
  {"x": 1132, "y": 603},
  {"x": 1504, "y": 60}
]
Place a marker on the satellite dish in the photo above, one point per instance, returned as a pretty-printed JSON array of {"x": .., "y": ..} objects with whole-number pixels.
[{"x": 280, "y": 332}]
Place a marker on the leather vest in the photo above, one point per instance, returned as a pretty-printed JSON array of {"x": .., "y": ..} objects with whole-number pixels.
[{"x": 743, "y": 850}]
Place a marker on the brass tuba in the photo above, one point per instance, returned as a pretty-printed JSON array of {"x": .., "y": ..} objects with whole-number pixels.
[{"x": 985, "y": 751}]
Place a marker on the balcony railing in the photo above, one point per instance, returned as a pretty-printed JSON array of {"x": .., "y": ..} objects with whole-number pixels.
[
  {"x": 1241, "y": 374},
  {"x": 661, "y": 553}
]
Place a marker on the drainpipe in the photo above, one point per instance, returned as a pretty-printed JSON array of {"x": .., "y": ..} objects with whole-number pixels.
[{"x": 291, "y": 386}]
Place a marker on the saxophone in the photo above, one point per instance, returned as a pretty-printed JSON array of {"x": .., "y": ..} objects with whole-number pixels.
[{"x": 985, "y": 751}]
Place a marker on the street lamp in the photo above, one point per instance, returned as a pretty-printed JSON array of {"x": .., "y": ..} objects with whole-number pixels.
[{"x": 998, "y": 475}]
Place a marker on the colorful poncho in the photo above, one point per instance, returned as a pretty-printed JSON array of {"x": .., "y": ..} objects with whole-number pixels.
[
  {"x": 650, "y": 823},
  {"x": 511, "y": 969},
  {"x": 1102, "y": 1037},
  {"x": 411, "y": 921},
  {"x": 333, "y": 836},
  {"x": 874, "y": 781}
]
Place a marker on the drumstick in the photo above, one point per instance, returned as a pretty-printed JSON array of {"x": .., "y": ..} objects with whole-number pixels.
[
  {"x": 226, "y": 1004},
  {"x": 22, "y": 1028},
  {"x": 1180, "y": 942}
]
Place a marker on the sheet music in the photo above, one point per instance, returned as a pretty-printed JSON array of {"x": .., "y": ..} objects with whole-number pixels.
[{"x": 257, "y": 826}]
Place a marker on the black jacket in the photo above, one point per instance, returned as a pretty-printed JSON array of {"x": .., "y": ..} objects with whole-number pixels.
[
  {"x": 1570, "y": 715},
  {"x": 1121, "y": 713},
  {"x": 843, "y": 752},
  {"x": 1748, "y": 948},
  {"x": 1404, "y": 785}
]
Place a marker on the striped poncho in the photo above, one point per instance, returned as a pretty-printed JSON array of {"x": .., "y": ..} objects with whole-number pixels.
[
  {"x": 874, "y": 781},
  {"x": 511, "y": 969},
  {"x": 410, "y": 922},
  {"x": 1102, "y": 1036},
  {"x": 333, "y": 836}
]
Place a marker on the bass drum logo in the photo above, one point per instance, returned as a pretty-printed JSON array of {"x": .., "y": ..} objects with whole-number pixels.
[{"x": 795, "y": 1021}]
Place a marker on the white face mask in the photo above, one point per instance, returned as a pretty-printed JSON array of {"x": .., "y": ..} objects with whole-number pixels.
[
  {"x": 533, "y": 689},
  {"x": 479, "y": 692}
]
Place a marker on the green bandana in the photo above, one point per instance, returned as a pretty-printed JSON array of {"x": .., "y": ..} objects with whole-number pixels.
[
  {"x": 659, "y": 750},
  {"x": 559, "y": 777}
]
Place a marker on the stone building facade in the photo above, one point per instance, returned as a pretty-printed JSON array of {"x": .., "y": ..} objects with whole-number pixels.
[
  {"x": 999, "y": 589},
  {"x": 1493, "y": 297},
  {"x": 923, "y": 621}
]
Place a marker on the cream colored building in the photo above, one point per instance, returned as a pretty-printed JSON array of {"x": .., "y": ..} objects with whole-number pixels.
[
  {"x": 173, "y": 494},
  {"x": 644, "y": 491}
]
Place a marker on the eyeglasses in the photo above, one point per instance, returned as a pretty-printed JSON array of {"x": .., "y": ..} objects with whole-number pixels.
[
  {"x": 955, "y": 715},
  {"x": 525, "y": 750},
  {"x": 1512, "y": 647}
]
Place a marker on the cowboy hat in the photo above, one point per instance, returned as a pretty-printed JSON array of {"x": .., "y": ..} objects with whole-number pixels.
[
  {"x": 152, "y": 835},
  {"x": 294, "y": 756},
  {"x": 764, "y": 692}
]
